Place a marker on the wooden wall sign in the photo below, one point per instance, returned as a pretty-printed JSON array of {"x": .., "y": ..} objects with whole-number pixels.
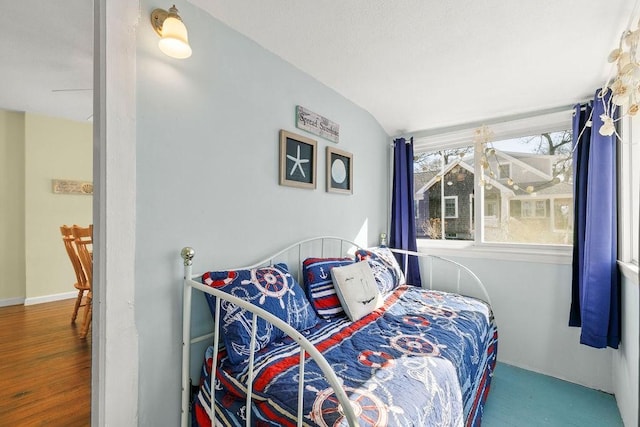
[
  {"x": 317, "y": 125},
  {"x": 65, "y": 186}
]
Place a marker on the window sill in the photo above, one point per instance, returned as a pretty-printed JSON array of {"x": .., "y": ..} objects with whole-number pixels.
[
  {"x": 629, "y": 270},
  {"x": 503, "y": 252}
]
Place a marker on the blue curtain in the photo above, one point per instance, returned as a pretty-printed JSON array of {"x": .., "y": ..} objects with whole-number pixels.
[
  {"x": 403, "y": 228},
  {"x": 595, "y": 304}
]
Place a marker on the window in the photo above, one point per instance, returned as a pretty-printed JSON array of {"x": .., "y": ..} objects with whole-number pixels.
[
  {"x": 441, "y": 178},
  {"x": 451, "y": 206},
  {"x": 490, "y": 208},
  {"x": 504, "y": 171},
  {"x": 533, "y": 209},
  {"x": 523, "y": 179}
]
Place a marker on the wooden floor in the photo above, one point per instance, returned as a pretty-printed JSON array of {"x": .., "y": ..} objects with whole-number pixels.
[{"x": 45, "y": 367}]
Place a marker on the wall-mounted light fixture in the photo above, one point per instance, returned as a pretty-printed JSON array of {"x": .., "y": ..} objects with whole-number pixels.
[{"x": 174, "y": 41}]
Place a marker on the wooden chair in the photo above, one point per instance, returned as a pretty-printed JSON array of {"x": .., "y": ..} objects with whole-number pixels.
[
  {"x": 84, "y": 247},
  {"x": 81, "y": 279}
]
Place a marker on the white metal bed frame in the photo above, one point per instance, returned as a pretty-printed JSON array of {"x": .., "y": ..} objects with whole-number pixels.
[{"x": 426, "y": 265}]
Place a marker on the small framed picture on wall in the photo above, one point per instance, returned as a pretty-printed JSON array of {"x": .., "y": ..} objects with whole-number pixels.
[
  {"x": 339, "y": 171},
  {"x": 298, "y": 159}
]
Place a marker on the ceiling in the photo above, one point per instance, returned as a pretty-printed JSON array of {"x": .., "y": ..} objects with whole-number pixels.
[
  {"x": 47, "y": 46},
  {"x": 413, "y": 64}
]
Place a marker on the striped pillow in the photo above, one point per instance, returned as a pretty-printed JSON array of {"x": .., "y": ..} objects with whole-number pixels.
[{"x": 319, "y": 286}]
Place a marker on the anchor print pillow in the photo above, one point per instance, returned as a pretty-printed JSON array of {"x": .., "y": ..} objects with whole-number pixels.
[
  {"x": 319, "y": 287},
  {"x": 271, "y": 288}
]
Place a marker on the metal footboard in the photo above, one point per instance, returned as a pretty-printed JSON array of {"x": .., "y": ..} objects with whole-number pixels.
[{"x": 327, "y": 247}]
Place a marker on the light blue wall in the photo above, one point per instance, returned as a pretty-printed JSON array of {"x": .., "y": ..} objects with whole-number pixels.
[
  {"x": 626, "y": 373},
  {"x": 207, "y": 177},
  {"x": 531, "y": 301}
]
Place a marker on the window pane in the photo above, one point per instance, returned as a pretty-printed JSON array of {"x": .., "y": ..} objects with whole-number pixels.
[
  {"x": 490, "y": 207},
  {"x": 450, "y": 206},
  {"x": 527, "y": 192},
  {"x": 528, "y": 181},
  {"x": 445, "y": 175}
]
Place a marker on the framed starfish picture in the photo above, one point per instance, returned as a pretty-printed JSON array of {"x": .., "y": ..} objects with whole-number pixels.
[{"x": 298, "y": 159}]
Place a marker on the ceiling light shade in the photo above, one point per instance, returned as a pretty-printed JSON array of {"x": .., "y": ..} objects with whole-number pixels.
[{"x": 174, "y": 40}]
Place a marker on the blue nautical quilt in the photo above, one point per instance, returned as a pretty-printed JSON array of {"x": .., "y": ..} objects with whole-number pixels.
[{"x": 425, "y": 358}]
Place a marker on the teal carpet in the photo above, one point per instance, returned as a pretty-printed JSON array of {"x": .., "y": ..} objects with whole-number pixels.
[{"x": 523, "y": 398}]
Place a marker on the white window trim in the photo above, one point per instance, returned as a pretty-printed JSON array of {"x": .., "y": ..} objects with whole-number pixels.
[
  {"x": 438, "y": 139},
  {"x": 455, "y": 199},
  {"x": 628, "y": 234},
  {"x": 630, "y": 271},
  {"x": 549, "y": 254},
  {"x": 508, "y": 127}
]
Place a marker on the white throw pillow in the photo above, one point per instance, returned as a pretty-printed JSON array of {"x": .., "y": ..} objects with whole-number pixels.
[{"x": 357, "y": 289}]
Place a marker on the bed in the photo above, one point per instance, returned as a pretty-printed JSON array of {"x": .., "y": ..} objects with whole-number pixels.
[{"x": 291, "y": 347}]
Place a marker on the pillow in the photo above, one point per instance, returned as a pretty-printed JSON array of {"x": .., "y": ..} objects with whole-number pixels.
[
  {"x": 357, "y": 289},
  {"x": 271, "y": 288},
  {"x": 385, "y": 268},
  {"x": 319, "y": 286}
]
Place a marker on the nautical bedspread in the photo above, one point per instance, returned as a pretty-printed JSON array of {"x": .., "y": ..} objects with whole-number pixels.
[{"x": 424, "y": 359}]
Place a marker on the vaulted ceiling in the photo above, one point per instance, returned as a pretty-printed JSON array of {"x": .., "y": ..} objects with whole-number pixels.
[{"x": 413, "y": 64}]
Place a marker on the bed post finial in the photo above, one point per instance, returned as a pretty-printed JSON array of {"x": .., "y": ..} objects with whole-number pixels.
[{"x": 187, "y": 255}]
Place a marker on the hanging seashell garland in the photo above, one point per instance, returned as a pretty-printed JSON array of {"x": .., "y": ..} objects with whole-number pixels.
[
  {"x": 623, "y": 82},
  {"x": 484, "y": 136}
]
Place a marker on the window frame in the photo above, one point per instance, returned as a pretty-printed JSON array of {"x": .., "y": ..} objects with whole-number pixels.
[
  {"x": 628, "y": 191},
  {"x": 455, "y": 207},
  {"x": 506, "y": 128}
]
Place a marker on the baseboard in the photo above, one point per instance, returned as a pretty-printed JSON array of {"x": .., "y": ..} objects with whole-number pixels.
[
  {"x": 50, "y": 298},
  {"x": 11, "y": 301}
]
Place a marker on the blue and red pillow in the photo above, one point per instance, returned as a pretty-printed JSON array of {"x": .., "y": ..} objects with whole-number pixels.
[
  {"x": 318, "y": 285},
  {"x": 272, "y": 288}
]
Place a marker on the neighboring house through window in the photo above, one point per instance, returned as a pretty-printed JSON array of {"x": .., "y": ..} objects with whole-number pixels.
[{"x": 523, "y": 181}]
